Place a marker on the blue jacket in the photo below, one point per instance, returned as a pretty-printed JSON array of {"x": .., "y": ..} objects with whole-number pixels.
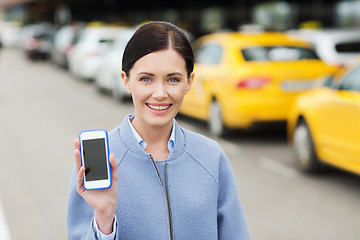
[{"x": 195, "y": 199}]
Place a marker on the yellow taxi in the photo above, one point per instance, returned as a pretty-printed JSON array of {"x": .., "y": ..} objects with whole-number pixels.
[
  {"x": 324, "y": 123},
  {"x": 244, "y": 78}
]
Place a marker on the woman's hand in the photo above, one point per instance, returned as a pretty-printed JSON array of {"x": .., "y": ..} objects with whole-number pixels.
[{"x": 103, "y": 200}]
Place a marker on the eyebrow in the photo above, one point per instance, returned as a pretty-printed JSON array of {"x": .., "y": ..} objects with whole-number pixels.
[
  {"x": 168, "y": 75},
  {"x": 145, "y": 73},
  {"x": 175, "y": 73}
]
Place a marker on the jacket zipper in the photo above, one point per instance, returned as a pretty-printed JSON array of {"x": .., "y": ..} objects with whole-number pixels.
[
  {"x": 168, "y": 202},
  {"x": 166, "y": 193}
]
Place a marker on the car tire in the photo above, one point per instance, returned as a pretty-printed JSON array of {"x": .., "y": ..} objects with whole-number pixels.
[
  {"x": 304, "y": 149},
  {"x": 99, "y": 88},
  {"x": 117, "y": 94},
  {"x": 215, "y": 122}
]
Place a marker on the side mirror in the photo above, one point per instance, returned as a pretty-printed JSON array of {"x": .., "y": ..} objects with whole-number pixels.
[
  {"x": 327, "y": 81},
  {"x": 106, "y": 41}
]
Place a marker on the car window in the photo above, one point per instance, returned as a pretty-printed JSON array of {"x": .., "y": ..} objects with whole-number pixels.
[
  {"x": 352, "y": 81},
  {"x": 209, "y": 54},
  {"x": 348, "y": 47},
  {"x": 120, "y": 44},
  {"x": 76, "y": 36},
  {"x": 278, "y": 53}
]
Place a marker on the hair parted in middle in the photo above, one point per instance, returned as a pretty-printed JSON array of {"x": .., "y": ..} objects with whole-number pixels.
[{"x": 156, "y": 36}]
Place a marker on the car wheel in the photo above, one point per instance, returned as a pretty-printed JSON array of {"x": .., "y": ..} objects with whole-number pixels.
[
  {"x": 304, "y": 149},
  {"x": 98, "y": 86},
  {"x": 116, "y": 91},
  {"x": 215, "y": 122}
]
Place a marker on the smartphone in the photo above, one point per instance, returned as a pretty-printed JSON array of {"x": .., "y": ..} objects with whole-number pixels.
[{"x": 94, "y": 152}]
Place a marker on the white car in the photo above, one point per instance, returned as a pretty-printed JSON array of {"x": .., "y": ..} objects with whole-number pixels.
[
  {"x": 84, "y": 57},
  {"x": 10, "y": 34},
  {"x": 36, "y": 40},
  {"x": 334, "y": 46},
  {"x": 109, "y": 78},
  {"x": 64, "y": 39}
]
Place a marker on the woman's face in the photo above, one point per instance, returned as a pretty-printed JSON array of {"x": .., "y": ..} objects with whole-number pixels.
[{"x": 158, "y": 83}]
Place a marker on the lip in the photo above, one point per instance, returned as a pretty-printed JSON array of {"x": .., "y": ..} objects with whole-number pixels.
[{"x": 159, "y": 108}]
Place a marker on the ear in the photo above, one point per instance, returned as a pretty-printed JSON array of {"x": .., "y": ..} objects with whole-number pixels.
[
  {"x": 190, "y": 81},
  {"x": 126, "y": 81}
]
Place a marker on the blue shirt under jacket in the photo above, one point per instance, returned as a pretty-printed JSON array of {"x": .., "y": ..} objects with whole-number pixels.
[{"x": 198, "y": 198}]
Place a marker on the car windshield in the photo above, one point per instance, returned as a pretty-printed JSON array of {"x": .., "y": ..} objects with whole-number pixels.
[
  {"x": 348, "y": 47},
  {"x": 278, "y": 53},
  {"x": 351, "y": 81}
]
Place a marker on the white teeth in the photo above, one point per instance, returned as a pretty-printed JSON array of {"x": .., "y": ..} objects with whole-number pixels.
[{"x": 159, "y": 107}]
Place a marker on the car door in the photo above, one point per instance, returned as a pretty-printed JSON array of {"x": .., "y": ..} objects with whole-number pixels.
[
  {"x": 207, "y": 63},
  {"x": 340, "y": 120}
]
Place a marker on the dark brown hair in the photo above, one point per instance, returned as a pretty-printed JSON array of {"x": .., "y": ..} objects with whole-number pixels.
[{"x": 156, "y": 36}]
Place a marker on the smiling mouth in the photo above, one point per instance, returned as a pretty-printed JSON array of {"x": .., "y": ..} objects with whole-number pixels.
[{"x": 159, "y": 107}]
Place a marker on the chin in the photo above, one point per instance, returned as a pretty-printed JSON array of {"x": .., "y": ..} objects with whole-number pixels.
[{"x": 160, "y": 121}]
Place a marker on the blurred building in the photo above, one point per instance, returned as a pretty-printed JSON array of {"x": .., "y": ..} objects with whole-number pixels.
[
  {"x": 29, "y": 11},
  {"x": 198, "y": 16},
  {"x": 10, "y": 3}
]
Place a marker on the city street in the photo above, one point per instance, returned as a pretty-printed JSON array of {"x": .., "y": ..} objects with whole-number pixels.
[{"x": 43, "y": 109}]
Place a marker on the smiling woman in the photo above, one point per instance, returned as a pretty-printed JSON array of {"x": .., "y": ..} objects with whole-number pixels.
[
  {"x": 157, "y": 91},
  {"x": 168, "y": 182}
]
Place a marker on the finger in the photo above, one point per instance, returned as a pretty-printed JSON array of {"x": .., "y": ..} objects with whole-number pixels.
[
  {"x": 77, "y": 154},
  {"x": 77, "y": 159},
  {"x": 80, "y": 184},
  {"x": 76, "y": 144},
  {"x": 113, "y": 165}
]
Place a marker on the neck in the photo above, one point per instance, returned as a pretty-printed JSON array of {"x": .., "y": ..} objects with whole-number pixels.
[
  {"x": 153, "y": 135},
  {"x": 156, "y": 138}
]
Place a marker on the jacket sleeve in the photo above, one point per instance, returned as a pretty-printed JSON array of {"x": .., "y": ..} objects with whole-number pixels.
[
  {"x": 231, "y": 218},
  {"x": 79, "y": 215}
]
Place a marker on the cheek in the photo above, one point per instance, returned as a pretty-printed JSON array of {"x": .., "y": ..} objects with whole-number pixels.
[
  {"x": 139, "y": 92},
  {"x": 178, "y": 93}
]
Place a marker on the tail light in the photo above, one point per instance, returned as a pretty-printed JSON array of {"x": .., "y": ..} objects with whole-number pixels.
[
  {"x": 92, "y": 53},
  {"x": 32, "y": 43},
  {"x": 253, "y": 82},
  {"x": 341, "y": 65},
  {"x": 68, "y": 50}
]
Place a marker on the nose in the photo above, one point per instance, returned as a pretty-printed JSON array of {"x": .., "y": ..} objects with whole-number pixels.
[{"x": 160, "y": 91}]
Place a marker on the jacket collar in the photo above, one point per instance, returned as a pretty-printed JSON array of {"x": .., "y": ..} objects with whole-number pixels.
[{"x": 132, "y": 143}]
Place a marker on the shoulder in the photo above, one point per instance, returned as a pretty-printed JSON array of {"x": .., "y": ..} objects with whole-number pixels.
[
  {"x": 118, "y": 134},
  {"x": 204, "y": 150},
  {"x": 114, "y": 135},
  {"x": 209, "y": 154},
  {"x": 197, "y": 142},
  {"x": 116, "y": 144}
]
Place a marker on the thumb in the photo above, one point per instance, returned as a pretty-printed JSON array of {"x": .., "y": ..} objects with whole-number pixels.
[{"x": 113, "y": 164}]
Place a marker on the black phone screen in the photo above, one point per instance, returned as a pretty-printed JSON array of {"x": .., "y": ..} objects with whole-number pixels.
[{"x": 95, "y": 159}]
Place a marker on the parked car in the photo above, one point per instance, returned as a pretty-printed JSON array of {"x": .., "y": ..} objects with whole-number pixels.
[
  {"x": 36, "y": 40},
  {"x": 108, "y": 78},
  {"x": 334, "y": 46},
  {"x": 323, "y": 125},
  {"x": 10, "y": 34},
  {"x": 84, "y": 57},
  {"x": 245, "y": 78},
  {"x": 64, "y": 39}
]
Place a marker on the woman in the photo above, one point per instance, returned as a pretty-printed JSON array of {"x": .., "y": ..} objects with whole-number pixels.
[{"x": 168, "y": 182}]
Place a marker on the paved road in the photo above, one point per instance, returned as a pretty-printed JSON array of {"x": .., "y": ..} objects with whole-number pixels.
[{"x": 43, "y": 108}]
